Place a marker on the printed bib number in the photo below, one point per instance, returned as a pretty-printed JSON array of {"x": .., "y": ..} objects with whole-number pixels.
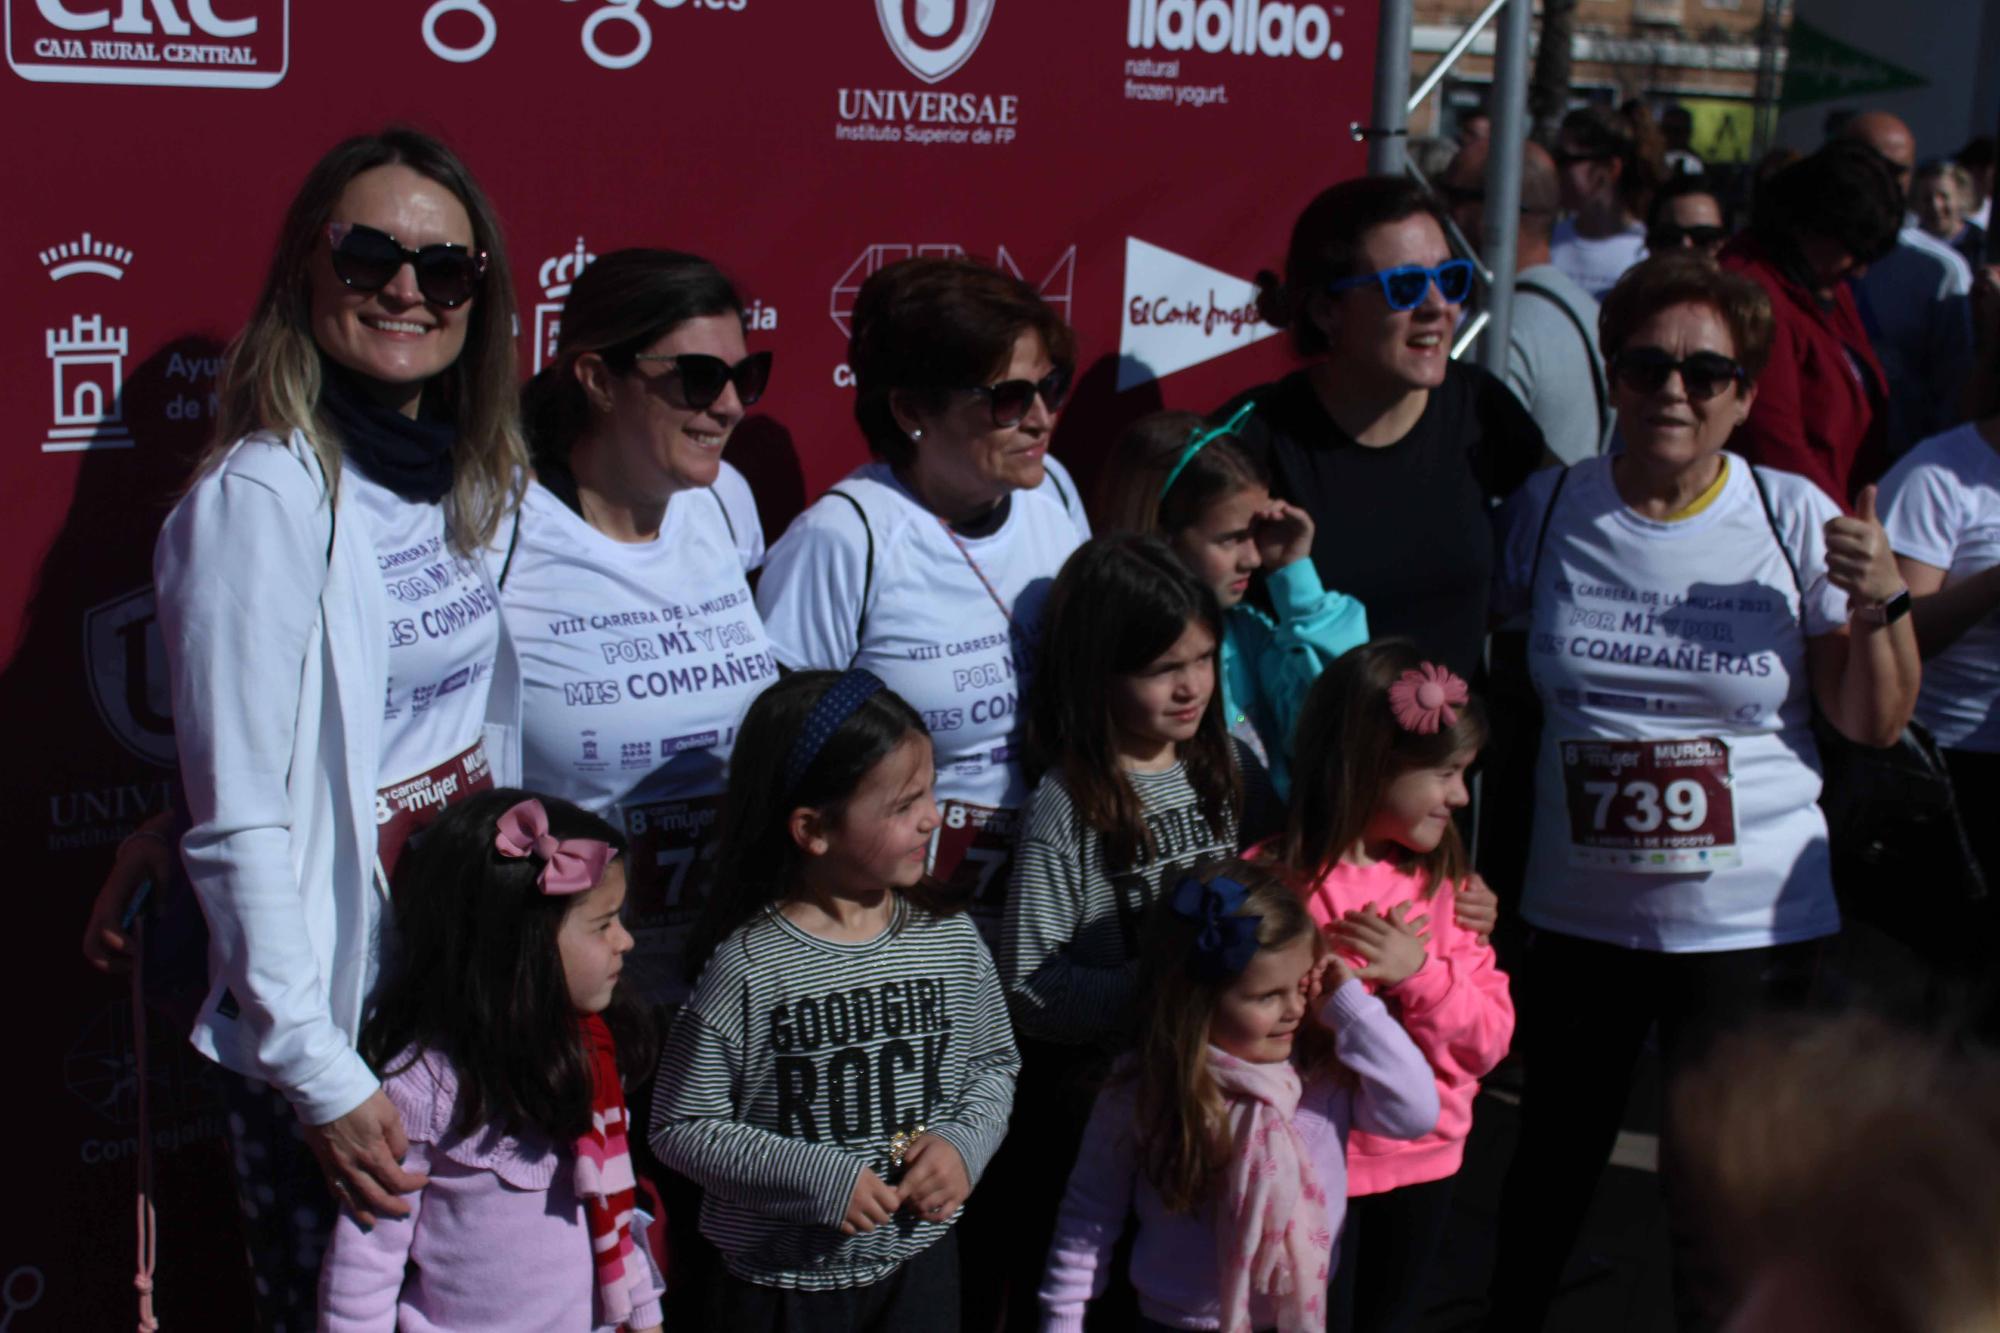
[
  {"x": 670, "y": 863},
  {"x": 970, "y": 854},
  {"x": 1651, "y": 807},
  {"x": 404, "y": 808}
]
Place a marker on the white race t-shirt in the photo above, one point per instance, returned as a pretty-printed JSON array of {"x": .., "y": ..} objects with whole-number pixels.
[
  {"x": 1596, "y": 263},
  {"x": 638, "y": 661},
  {"x": 444, "y": 636},
  {"x": 739, "y": 510},
  {"x": 1941, "y": 505},
  {"x": 922, "y": 620},
  {"x": 1672, "y": 669}
]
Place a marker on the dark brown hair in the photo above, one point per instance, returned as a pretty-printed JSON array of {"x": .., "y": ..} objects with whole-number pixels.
[
  {"x": 926, "y": 326},
  {"x": 1349, "y": 748},
  {"x": 1685, "y": 277},
  {"x": 1119, "y": 602},
  {"x": 618, "y": 306},
  {"x": 1180, "y": 1122},
  {"x": 1128, "y": 493},
  {"x": 1844, "y": 191},
  {"x": 1326, "y": 246},
  {"x": 1628, "y": 136}
]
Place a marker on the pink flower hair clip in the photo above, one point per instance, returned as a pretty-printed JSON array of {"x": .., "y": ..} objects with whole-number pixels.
[{"x": 1424, "y": 700}]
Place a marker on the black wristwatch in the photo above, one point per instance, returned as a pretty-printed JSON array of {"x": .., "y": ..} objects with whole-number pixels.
[{"x": 1885, "y": 612}]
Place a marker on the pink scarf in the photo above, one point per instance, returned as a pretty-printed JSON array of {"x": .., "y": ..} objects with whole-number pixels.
[
  {"x": 1272, "y": 1237},
  {"x": 605, "y": 1180}
]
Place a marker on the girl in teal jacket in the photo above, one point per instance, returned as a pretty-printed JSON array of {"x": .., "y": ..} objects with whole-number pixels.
[{"x": 1174, "y": 476}]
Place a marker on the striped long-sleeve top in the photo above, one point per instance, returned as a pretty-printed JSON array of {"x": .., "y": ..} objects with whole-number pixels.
[
  {"x": 1069, "y": 947},
  {"x": 796, "y": 1062}
]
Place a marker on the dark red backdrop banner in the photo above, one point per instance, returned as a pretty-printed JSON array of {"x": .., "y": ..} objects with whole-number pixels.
[{"x": 1138, "y": 160}]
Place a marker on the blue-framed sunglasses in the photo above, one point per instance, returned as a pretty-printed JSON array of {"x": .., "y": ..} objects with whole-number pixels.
[{"x": 1403, "y": 288}]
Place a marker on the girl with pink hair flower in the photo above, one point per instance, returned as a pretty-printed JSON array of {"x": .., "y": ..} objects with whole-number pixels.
[{"x": 1382, "y": 749}]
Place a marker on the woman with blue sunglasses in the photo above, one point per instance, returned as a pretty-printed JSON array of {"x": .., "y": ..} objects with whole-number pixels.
[{"x": 1393, "y": 448}]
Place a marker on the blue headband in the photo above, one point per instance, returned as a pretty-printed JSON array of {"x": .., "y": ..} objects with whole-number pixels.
[
  {"x": 1200, "y": 440},
  {"x": 852, "y": 689},
  {"x": 1226, "y": 942}
]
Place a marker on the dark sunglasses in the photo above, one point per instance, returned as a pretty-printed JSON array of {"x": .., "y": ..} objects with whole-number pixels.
[
  {"x": 1403, "y": 288},
  {"x": 368, "y": 260},
  {"x": 1010, "y": 400},
  {"x": 1670, "y": 236},
  {"x": 1703, "y": 375},
  {"x": 696, "y": 381}
]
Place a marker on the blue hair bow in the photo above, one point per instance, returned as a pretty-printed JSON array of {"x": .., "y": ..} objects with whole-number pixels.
[{"x": 1226, "y": 942}]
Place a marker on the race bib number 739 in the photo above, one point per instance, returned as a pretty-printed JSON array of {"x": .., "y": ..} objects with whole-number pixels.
[{"x": 1654, "y": 807}]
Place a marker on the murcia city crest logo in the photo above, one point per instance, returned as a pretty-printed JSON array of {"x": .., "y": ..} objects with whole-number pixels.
[{"x": 933, "y": 38}]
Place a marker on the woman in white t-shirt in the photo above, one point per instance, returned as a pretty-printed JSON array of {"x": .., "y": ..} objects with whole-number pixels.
[
  {"x": 1609, "y": 163},
  {"x": 1686, "y": 613},
  {"x": 625, "y": 583},
  {"x": 929, "y": 566},
  {"x": 1941, "y": 506},
  {"x": 340, "y": 670}
]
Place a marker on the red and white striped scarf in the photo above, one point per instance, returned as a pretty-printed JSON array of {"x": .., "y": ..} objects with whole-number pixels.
[{"x": 605, "y": 1180}]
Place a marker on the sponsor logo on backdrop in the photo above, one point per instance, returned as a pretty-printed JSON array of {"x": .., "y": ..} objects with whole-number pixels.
[
  {"x": 615, "y": 35},
  {"x": 557, "y": 274},
  {"x": 1057, "y": 286},
  {"x": 101, "y": 1070},
  {"x": 1218, "y": 27},
  {"x": 128, "y": 674},
  {"x": 1179, "y": 312},
  {"x": 87, "y": 356},
  {"x": 179, "y": 43},
  {"x": 101, "y": 816},
  {"x": 933, "y": 39}
]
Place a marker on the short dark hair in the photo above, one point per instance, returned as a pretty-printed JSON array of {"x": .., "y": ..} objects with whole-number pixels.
[
  {"x": 1684, "y": 277},
  {"x": 1680, "y": 186},
  {"x": 1977, "y": 154},
  {"x": 474, "y": 974},
  {"x": 617, "y": 307},
  {"x": 1326, "y": 246},
  {"x": 1628, "y": 135},
  {"x": 928, "y": 325},
  {"x": 1844, "y": 191},
  {"x": 1119, "y": 602}
]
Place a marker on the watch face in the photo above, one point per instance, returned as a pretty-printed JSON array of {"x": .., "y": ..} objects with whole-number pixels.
[{"x": 1896, "y": 607}]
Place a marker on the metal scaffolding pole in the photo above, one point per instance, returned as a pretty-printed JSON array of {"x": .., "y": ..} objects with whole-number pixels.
[
  {"x": 1509, "y": 109},
  {"x": 1392, "y": 90}
]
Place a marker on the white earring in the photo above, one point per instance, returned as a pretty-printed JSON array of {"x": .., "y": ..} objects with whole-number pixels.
[{"x": 916, "y": 434}]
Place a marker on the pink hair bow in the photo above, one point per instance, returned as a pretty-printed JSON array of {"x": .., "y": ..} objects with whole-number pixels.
[
  {"x": 1423, "y": 700},
  {"x": 573, "y": 865}
]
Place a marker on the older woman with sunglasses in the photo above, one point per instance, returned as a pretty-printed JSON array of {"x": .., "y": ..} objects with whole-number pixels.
[
  {"x": 1393, "y": 448},
  {"x": 625, "y": 582},
  {"x": 340, "y": 670},
  {"x": 1687, "y": 614},
  {"x": 929, "y": 566}
]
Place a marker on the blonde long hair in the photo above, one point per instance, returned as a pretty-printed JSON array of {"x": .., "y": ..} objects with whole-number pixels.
[
  {"x": 271, "y": 376},
  {"x": 1183, "y": 1133}
]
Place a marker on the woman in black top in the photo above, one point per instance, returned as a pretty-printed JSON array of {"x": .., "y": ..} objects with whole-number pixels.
[{"x": 1396, "y": 450}]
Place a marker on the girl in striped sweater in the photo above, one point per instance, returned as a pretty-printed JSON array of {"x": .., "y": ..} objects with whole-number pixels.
[{"x": 845, "y": 1067}]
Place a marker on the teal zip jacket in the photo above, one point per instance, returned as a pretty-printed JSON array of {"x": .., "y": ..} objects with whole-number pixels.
[{"x": 1269, "y": 665}]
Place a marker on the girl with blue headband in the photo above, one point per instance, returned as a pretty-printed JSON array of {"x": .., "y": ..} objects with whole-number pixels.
[
  {"x": 1177, "y": 477},
  {"x": 845, "y": 1068},
  {"x": 1225, "y": 1131}
]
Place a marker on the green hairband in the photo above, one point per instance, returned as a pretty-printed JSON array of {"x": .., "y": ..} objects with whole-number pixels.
[{"x": 1202, "y": 437}]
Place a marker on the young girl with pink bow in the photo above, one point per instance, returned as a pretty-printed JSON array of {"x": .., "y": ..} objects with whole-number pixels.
[
  {"x": 1383, "y": 746},
  {"x": 1225, "y": 1131},
  {"x": 501, "y": 1033}
]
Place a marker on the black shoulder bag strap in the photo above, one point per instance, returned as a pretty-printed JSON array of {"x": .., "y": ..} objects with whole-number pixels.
[
  {"x": 1542, "y": 535},
  {"x": 1597, "y": 384},
  {"x": 868, "y": 571}
]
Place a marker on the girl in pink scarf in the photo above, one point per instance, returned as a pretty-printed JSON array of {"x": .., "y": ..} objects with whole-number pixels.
[{"x": 1226, "y": 1130}]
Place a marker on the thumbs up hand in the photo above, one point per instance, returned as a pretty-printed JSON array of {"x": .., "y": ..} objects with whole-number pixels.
[{"x": 1858, "y": 559}]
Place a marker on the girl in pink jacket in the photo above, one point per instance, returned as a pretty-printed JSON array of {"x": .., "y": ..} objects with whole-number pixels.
[{"x": 1382, "y": 749}]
